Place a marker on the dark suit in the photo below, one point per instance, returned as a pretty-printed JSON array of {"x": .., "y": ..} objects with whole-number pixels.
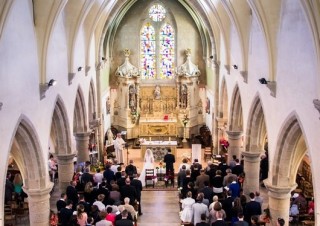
[
  {"x": 241, "y": 223},
  {"x": 138, "y": 186},
  {"x": 65, "y": 216},
  {"x": 124, "y": 222},
  {"x": 202, "y": 224},
  {"x": 60, "y": 204},
  {"x": 119, "y": 217},
  {"x": 227, "y": 206},
  {"x": 86, "y": 177},
  {"x": 72, "y": 194},
  {"x": 130, "y": 192},
  {"x": 219, "y": 223},
  {"x": 208, "y": 193},
  {"x": 237, "y": 170},
  {"x": 169, "y": 159},
  {"x": 252, "y": 208}
]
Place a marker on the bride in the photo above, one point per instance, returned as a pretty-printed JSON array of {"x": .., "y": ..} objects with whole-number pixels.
[{"x": 148, "y": 164}]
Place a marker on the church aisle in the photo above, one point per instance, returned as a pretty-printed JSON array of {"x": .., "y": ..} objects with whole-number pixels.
[{"x": 159, "y": 208}]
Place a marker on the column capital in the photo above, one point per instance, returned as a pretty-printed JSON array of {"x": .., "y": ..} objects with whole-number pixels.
[
  {"x": 65, "y": 158},
  {"x": 38, "y": 193},
  {"x": 279, "y": 192},
  {"x": 234, "y": 135},
  {"x": 82, "y": 134},
  {"x": 251, "y": 156}
]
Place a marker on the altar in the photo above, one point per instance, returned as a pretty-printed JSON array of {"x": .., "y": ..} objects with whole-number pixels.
[
  {"x": 159, "y": 148},
  {"x": 158, "y": 127}
]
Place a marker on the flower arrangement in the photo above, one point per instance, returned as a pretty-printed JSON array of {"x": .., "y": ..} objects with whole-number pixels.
[
  {"x": 224, "y": 143},
  {"x": 185, "y": 120}
]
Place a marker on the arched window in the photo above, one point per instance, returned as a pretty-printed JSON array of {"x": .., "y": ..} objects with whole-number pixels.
[{"x": 157, "y": 46}]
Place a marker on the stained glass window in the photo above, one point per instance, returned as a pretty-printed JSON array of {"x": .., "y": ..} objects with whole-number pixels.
[
  {"x": 148, "y": 51},
  {"x": 157, "y": 13},
  {"x": 157, "y": 46},
  {"x": 166, "y": 52}
]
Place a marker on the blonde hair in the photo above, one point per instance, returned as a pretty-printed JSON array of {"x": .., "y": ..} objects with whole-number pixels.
[{"x": 89, "y": 187}]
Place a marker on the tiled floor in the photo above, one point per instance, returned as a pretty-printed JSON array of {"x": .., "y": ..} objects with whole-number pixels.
[{"x": 159, "y": 208}]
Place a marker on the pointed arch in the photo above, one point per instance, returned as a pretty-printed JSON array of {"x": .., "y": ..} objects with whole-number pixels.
[
  {"x": 79, "y": 114},
  {"x": 223, "y": 101},
  {"x": 92, "y": 102},
  {"x": 60, "y": 132},
  {"x": 256, "y": 128},
  {"x": 27, "y": 153},
  {"x": 236, "y": 117},
  {"x": 291, "y": 148}
]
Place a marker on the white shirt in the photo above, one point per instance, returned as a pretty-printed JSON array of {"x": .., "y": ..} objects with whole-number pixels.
[
  {"x": 100, "y": 205},
  {"x": 98, "y": 177},
  {"x": 104, "y": 223}
]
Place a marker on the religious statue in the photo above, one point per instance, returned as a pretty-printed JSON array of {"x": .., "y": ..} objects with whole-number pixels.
[
  {"x": 110, "y": 137},
  {"x": 208, "y": 106},
  {"x": 108, "y": 105},
  {"x": 157, "y": 92},
  {"x": 183, "y": 96},
  {"x": 132, "y": 99}
]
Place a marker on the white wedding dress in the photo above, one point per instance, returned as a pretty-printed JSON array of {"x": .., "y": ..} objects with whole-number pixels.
[{"x": 148, "y": 164}]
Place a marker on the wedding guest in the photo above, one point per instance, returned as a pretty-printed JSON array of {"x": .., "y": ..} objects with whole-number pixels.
[
  {"x": 184, "y": 163},
  {"x": 203, "y": 221},
  {"x": 241, "y": 222},
  {"x": 98, "y": 176},
  {"x": 186, "y": 205},
  {"x": 81, "y": 215}
]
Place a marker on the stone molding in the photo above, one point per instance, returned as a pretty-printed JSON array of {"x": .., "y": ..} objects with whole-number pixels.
[
  {"x": 71, "y": 77},
  {"x": 272, "y": 86},
  {"x": 65, "y": 158},
  {"x": 316, "y": 103},
  {"x": 251, "y": 156},
  {"x": 244, "y": 75},
  {"x": 234, "y": 135},
  {"x": 279, "y": 192},
  {"x": 82, "y": 136}
]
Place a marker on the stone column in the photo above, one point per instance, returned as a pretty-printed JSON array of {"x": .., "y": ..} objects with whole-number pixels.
[
  {"x": 39, "y": 205},
  {"x": 279, "y": 202},
  {"x": 235, "y": 140},
  {"x": 219, "y": 133},
  {"x": 65, "y": 170},
  {"x": 252, "y": 170},
  {"x": 82, "y": 141}
]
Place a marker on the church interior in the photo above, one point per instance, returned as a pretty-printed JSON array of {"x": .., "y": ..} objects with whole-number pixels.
[{"x": 207, "y": 79}]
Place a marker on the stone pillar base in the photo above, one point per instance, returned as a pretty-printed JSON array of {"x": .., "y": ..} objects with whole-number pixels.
[
  {"x": 279, "y": 202},
  {"x": 39, "y": 205}
]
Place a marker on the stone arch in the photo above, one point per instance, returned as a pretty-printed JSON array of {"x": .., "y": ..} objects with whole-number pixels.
[
  {"x": 236, "y": 118},
  {"x": 79, "y": 114},
  {"x": 28, "y": 155},
  {"x": 291, "y": 148},
  {"x": 60, "y": 132},
  {"x": 92, "y": 102},
  {"x": 256, "y": 128},
  {"x": 255, "y": 136},
  {"x": 223, "y": 100}
]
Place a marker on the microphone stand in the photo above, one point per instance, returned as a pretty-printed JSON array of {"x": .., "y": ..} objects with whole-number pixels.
[{"x": 127, "y": 147}]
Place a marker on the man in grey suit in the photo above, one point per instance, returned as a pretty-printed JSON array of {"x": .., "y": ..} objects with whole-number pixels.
[{"x": 199, "y": 208}]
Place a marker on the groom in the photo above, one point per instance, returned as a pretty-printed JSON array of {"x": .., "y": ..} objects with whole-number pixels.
[{"x": 169, "y": 159}]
